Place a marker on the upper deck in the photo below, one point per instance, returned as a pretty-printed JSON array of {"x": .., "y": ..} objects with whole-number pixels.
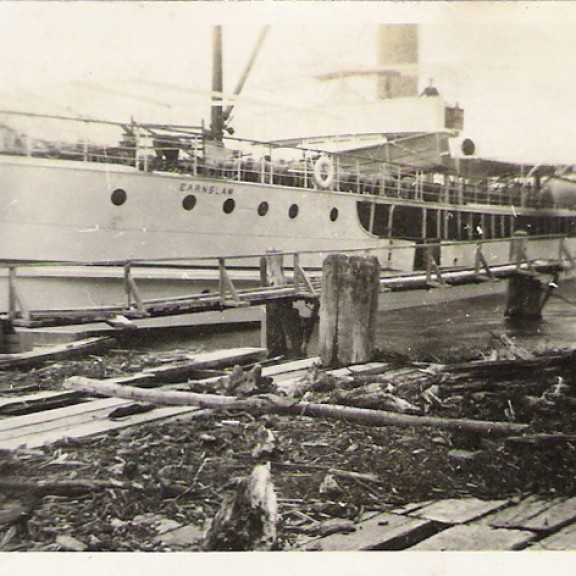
[{"x": 416, "y": 167}]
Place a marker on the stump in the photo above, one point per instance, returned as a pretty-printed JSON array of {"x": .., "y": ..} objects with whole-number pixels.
[
  {"x": 247, "y": 518},
  {"x": 349, "y": 303}
]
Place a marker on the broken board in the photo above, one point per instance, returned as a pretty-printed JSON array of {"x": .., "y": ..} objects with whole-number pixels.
[
  {"x": 536, "y": 514},
  {"x": 382, "y": 532}
]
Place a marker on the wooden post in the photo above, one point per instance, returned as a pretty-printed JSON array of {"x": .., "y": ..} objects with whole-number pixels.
[
  {"x": 518, "y": 247},
  {"x": 348, "y": 305},
  {"x": 526, "y": 296},
  {"x": 283, "y": 329}
]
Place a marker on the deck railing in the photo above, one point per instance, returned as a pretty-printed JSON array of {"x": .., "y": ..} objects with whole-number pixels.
[{"x": 187, "y": 150}]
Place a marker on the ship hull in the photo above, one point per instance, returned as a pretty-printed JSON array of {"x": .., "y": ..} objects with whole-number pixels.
[{"x": 82, "y": 212}]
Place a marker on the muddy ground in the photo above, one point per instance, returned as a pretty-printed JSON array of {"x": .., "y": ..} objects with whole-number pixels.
[{"x": 179, "y": 472}]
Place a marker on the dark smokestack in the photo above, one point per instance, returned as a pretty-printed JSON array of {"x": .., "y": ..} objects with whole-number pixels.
[{"x": 217, "y": 116}]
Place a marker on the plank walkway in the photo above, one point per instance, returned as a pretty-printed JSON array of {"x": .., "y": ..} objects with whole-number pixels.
[
  {"x": 467, "y": 524},
  {"x": 301, "y": 288}
]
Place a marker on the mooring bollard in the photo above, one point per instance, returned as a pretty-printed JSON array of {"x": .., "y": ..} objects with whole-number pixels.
[{"x": 348, "y": 307}]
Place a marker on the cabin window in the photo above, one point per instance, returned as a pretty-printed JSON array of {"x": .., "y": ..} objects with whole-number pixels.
[
  {"x": 477, "y": 230},
  {"x": 363, "y": 209},
  {"x": 452, "y": 230},
  {"x": 488, "y": 225},
  {"x": 376, "y": 218},
  {"x": 293, "y": 211},
  {"x": 381, "y": 220},
  {"x": 189, "y": 202},
  {"x": 118, "y": 197},
  {"x": 530, "y": 224},
  {"x": 507, "y": 226},
  {"x": 407, "y": 222},
  {"x": 263, "y": 208},
  {"x": 229, "y": 206},
  {"x": 431, "y": 223},
  {"x": 333, "y": 214}
]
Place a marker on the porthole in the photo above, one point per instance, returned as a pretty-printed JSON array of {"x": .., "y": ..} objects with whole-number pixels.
[
  {"x": 189, "y": 202},
  {"x": 333, "y": 214},
  {"x": 293, "y": 211},
  {"x": 263, "y": 208},
  {"x": 118, "y": 197},
  {"x": 229, "y": 206}
]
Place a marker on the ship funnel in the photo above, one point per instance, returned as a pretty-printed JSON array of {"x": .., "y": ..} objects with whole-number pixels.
[{"x": 397, "y": 60}]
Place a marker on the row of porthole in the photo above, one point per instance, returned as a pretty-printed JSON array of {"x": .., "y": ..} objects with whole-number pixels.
[{"x": 119, "y": 196}]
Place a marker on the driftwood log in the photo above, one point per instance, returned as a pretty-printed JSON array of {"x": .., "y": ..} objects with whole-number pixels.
[
  {"x": 71, "y": 488},
  {"x": 275, "y": 404}
]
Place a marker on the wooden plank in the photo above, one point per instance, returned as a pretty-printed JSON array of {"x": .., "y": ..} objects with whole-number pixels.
[
  {"x": 458, "y": 511},
  {"x": 412, "y": 507},
  {"x": 294, "y": 366},
  {"x": 91, "y": 428},
  {"x": 365, "y": 369},
  {"x": 59, "y": 352},
  {"x": 218, "y": 358},
  {"x": 37, "y": 402},
  {"x": 565, "y": 539},
  {"x": 21, "y": 424},
  {"x": 92, "y": 418},
  {"x": 521, "y": 514},
  {"x": 476, "y": 537},
  {"x": 553, "y": 518},
  {"x": 383, "y": 532},
  {"x": 144, "y": 379},
  {"x": 43, "y": 395}
]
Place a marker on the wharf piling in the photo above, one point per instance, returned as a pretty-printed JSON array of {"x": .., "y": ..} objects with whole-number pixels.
[
  {"x": 526, "y": 295},
  {"x": 349, "y": 303},
  {"x": 283, "y": 326}
]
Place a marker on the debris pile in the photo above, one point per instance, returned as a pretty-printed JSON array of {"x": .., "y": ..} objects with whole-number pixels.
[{"x": 279, "y": 453}]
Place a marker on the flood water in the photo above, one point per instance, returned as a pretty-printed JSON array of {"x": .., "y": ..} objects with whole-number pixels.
[{"x": 426, "y": 332}]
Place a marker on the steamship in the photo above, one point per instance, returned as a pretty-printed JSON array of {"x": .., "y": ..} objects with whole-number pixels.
[{"x": 170, "y": 197}]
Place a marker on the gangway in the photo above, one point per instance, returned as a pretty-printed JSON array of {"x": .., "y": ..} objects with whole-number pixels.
[{"x": 296, "y": 283}]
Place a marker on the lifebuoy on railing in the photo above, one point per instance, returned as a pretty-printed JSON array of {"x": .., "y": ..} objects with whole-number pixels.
[{"x": 324, "y": 173}]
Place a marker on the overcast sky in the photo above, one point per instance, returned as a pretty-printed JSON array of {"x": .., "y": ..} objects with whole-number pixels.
[{"x": 510, "y": 65}]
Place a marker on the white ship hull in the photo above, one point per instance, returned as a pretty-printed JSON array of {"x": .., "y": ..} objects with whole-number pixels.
[{"x": 70, "y": 211}]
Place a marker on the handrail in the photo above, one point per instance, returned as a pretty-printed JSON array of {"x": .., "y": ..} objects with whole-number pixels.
[
  {"x": 296, "y": 285},
  {"x": 169, "y": 263},
  {"x": 182, "y": 149}
]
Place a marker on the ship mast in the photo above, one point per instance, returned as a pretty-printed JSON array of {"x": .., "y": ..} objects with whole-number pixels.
[{"x": 219, "y": 116}]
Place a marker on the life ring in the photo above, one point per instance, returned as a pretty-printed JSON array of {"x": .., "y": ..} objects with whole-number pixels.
[{"x": 324, "y": 172}]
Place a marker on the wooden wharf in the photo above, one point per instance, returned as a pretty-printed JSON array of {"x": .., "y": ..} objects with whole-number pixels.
[
  {"x": 525, "y": 522},
  {"x": 297, "y": 284},
  {"x": 531, "y": 523}
]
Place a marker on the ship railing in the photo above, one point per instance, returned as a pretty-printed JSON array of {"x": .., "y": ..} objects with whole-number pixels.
[
  {"x": 265, "y": 163},
  {"x": 281, "y": 274},
  {"x": 188, "y": 150},
  {"x": 144, "y": 146}
]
